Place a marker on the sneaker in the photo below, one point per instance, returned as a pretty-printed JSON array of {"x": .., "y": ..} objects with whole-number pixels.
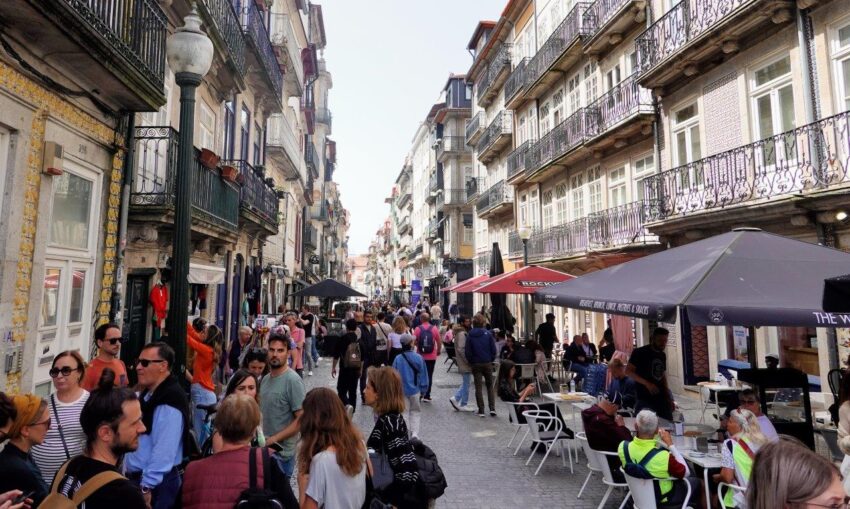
[
  {"x": 481, "y": 414},
  {"x": 467, "y": 408},
  {"x": 427, "y": 399},
  {"x": 454, "y": 404},
  {"x": 309, "y": 373},
  {"x": 492, "y": 413},
  {"x": 349, "y": 410}
]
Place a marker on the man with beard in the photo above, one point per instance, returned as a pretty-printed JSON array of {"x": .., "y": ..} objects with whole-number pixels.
[
  {"x": 281, "y": 396},
  {"x": 112, "y": 422}
]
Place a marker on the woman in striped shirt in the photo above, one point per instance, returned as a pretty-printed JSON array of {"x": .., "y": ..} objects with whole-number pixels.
[{"x": 65, "y": 438}]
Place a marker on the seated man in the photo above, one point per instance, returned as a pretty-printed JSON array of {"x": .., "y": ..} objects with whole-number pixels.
[
  {"x": 622, "y": 388},
  {"x": 580, "y": 354},
  {"x": 748, "y": 399},
  {"x": 665, "y": 463},
  {"x": 605, "y": 431}
]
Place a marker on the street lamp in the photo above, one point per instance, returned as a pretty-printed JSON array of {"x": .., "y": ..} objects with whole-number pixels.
[
  {"x": 189, "y": 52},
  {"x": 525, "y": 234}
]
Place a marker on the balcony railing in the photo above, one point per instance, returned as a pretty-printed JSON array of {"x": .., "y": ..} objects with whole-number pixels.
[
  {"x": 311, "y": 236},
  {"x": 517, "y": 159},
  {"x": 683, "y": 23},
  {"x": 319, "y": 213},
  {"x": 473, "y": 185},
  {"x": 404, "y": 224},
  {"x": 500, "y": 64},
  {"x": 213, "y": 199},
  {"x": 311, "y": 157},
  {"x": 558, "y": 241},
  {"x": 281, "y": 138},
  {"x": 502, "y": 125},
  {"x": 323, "y": 116},
  {"x": 619, "y": 226},
  {"x": 256, "y": 196},
  {"x": 482, "y": 262},
  {"x": 451, "y": 145},
  {"x": 811, "y": 158},
  {"x": 601, "y": 11},
  {"x": 474, "y": 126},
  {"x": 558, "y": 42},
  {"x": 403, "y": 199},
  {"x": 225, "y": 21},
  {"x": 566, "y": 136},
  {"x": 416, "y": 252},
  {"x": 255, "y": 29},
  {"x": 435, "y": 183},
  {"x": 517, "y": 80},
  {"x": 618, "y": 104},
  {"x": 497, "y": 195},
  {"x": 454, "y": 197},
  {"x": 433, "y": 226},
  {"x": 283, "y": 35}
]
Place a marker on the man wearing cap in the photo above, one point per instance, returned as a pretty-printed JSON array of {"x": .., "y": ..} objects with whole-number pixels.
[
  {"x": 414, "y": 380},
  {"x": 772, "y": 361},
  {"x": 108, "y": 340}
]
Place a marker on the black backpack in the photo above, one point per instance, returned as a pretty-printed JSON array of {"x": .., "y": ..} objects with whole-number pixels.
[
  {"x": 430, "y": 474},
  {"x": 254, "y": 497}
]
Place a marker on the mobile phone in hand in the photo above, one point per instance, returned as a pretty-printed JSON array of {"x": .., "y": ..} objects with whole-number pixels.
[
  {"x": 277, "y": 446},
  {"x": 23, "y": 497}
]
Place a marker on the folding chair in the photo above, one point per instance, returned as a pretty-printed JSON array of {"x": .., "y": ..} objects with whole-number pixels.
[
  {"x": 643, "y": 492},
  {"x": 546, "y": 429},
  {"x": 450, "y": 355},
  {"x": 592, "y": 463},
  {"x": 608, "y": 476},
  {"x": 830, "y": 436},
  {"x": 514, "y": 418}
]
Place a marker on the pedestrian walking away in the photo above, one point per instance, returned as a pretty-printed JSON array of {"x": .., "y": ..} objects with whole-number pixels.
[
  {"x": 414, "y": 376},
  {"x": 429, "y": 346},
  {"x": 367, "y": 335},
  {"x": 349, "y": 359},
  {"x": 480, "y": 352},
  {"x": 310, "y": 323},
  {"x": 460, "y": 401}
]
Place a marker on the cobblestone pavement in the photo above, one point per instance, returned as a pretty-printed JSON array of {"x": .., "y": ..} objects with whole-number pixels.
[{"x": 481, "y": 471}]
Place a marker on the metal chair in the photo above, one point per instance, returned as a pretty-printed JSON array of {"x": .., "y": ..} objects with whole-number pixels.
[
  {"x": 514, "y": 420},
  {"x": 592, "y": 460},
  {"x": 546, "y": 429},
  {"x": 830, "y": 436},
  {"x": 608, "y": 477},
  {"x": 732, "y": 487},
  {"x": 643, "y": 492},
  {"x": 450, "y": 355}
]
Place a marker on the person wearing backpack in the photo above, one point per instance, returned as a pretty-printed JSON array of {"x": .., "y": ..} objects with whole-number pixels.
[
  {"x": 414, "y": 377},
  {"x": 237, "y": 475},
  {"x": 368, "y": 337},
  {"x": 738, "y": 454},
  {"x": 349, "y": 358},
  {"x": 111, "y": 420},
  {"x": 382, "y": 339},
  {"x": 644, "y": 459},
  {"x": 429, "y": 346}
]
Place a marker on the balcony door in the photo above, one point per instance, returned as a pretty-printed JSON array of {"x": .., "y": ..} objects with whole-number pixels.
[
  {"x": 548, "y": 208},
  {"x": 773, "y": 116},
  {"x": 687, "y": 148}
]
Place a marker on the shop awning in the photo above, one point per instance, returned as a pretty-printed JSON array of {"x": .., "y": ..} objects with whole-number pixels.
[
  {"x": 473, "y": 282},
  {"x": 745, "y": 277},
  {"x": 328, "y": 288},
  {"x": 524, "y": 280},
  {"x": 206, "y": 274}
]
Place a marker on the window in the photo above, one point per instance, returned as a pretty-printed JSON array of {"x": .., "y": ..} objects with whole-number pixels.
[
  {"x": 773, "y": 105},
  {"x": 258, "y": 144},
  {"x": 467, "y": 233},
  {"x": 542, "y": 28},
  {"x": 72, "y": 207},
  {"x": 594, "y": 187},
  {"x": 4, "y": 159},
  {"x": 574, "y": 93},
  {"x": 561, "y": 203},
  {"x": 468, "y": 92},
  {"x": 687, "y": 146},
  {"x": 521, "y": 134},
  {"x": 207, "y": 127},
  {"x": 544, "y": 119},
  {"x": 577, "y": 195},
  {"x": 229, "y": 129},
  {"x": 632, "y": 60},
  {"x": 841, "y": 55},
  {"x": 534, "y": 209},
  {"x": 617, "y": 187},
  {"x": 528, "y": 35},
  {"x": 161, "y": 116},
  {"x": 523, "y": 210},
  {"x": 612, "y": 77},
  {"x": 641, "y": 169},
  {"x": 590, "y": 83},
  {"x": 245, "y": 135},
  {"x": 547, "y": 208},
  {"x": 558, "y": 103}
]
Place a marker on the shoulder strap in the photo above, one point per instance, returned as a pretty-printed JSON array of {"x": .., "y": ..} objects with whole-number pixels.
[
  {"x": 651, "y": 454},
  {"x": 95, "y": 483},
  {"x": 252, "y": 467},
  {"x": 415, "y": 371},
  {"x": 59, "y": 426},
  {"x": 267, "y": 470},
  {"x": 58, "y": 479},
  {"x": 626, "y": 454},
  {"x": 746, "y": 448}
]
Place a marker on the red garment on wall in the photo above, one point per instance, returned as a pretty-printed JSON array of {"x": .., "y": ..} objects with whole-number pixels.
[{"x": 159, "y": 301}]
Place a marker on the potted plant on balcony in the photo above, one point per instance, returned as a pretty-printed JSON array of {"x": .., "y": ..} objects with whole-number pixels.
[
  {"x": 260, "y": 171},
  {"x": 208, "y": 158},
  {"x": 280, "y": 193},
  {"x": 230, "y": 173},
  {"x": 270, "y": 182}
]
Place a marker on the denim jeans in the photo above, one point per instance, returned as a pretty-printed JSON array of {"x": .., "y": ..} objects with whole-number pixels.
[
  {"x": 287, "y": 465},
  {"x": 200, "y": 396},
  {"x": 314, "y": 350},
  {"x": 308, "y": 360},
  {"x": 166, "y": 494},
  {"x": 462, "y": 394}
]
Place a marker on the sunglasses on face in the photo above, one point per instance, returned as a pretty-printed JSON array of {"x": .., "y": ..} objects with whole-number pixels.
[
  {"x": 147, "y": 362},
  {"x": 112, "y": 341},
  {"x": 42, "y": 423},
  {"x": 65, "y": 371}
]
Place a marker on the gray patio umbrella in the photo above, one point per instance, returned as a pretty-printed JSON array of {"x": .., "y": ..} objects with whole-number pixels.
[
  {"x": 500, "y": 317},
  {"x": 745, "y": 277},
  {"x": 328, "y": 288},
  {"x": 836, "y": 294}
]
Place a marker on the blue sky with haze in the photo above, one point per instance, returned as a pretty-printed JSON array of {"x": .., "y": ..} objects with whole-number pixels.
[{"x": 389, "y": 60}]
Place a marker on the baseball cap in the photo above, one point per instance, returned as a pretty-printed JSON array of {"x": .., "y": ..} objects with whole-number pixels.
[{"x": 406, "y": 339}]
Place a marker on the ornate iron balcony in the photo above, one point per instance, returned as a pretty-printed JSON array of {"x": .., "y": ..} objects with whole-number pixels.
[
  {"x": 517, "y": 159},
  {"x": 474, "y": 127},
  {"x": 319, "y": 213},
  {"x": 255, "y": 29},
  {"x": 618, "y": 104},
  {"x": 283, "y": 35},
  {"x": 565, "y": 137},
  {"x": 499, "y": 128},
  {"x": 558, "y": 241},
  {"x": 416, "y": 252},
  {"x": 220, "y": 16},
  {"x": 256, "y": 196},
  {"x": 561, "y": 39},
  {"x": 472, "y": 187},
  {"x": 323, "y": 116},
  {"x": 499, "y": 194},
  {"x": 451, "y": 145},
  {"x": 482, "y": 262},
  {"x": 454, "y": 197},
  {"x": 515, "y": 249},
  {"x": 214, "y": 199},
  {"x": 501, "y": 63},
  {"x": 311, "y": 236},
  {"x": 619, "y": 226},
  {"x": 516, "y": 82},
  {"x": 311, "y": 157},
  {"x": 281, "y": 141},
  {"x": 435, "y": 183},
  {"x": 805, "y": 160}
]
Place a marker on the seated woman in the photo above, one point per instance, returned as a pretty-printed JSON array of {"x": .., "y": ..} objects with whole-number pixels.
[
  {"x": 507, "y": 392},
  {"x": 507, "y": 351},
  {"x": 739, "y": 453}
]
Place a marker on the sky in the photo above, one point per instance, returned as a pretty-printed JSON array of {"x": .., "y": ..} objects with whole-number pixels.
[{"x": 389, "y": 60}]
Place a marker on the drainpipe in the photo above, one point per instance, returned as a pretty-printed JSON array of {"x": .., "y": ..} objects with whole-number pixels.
[
  {"x": 811, "y": 105},
  {"x": 115, "y": 304}
]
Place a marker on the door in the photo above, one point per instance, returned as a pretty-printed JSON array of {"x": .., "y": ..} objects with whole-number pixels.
[
  {"x": 773, "y": 105},
  {"x": 135, "y": 322},
  {"x": 236, "y": 307}
]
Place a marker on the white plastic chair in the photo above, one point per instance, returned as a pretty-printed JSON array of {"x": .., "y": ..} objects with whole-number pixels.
[
  {"x": 643, "y": 492},
  {"x": 514, "y": 418},
  {"x": 546, "y": 429},
  {"x": 733, "y": 487},
  {"x": 608, "y": 477},
  {"x": 592, "y": 460}
]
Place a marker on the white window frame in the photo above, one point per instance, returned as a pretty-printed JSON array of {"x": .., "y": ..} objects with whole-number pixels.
[
  {"x": 617, "y": 185},
  {"x": 840, "y": 54},
  {"x": 639, "y": 174},
  {"x": 695, "y": 176},
  {"x": 548, "y": 208},
  {"x": 207, "y": 132},
  {"x": 595, "y": 193},
  {"x": 545, "y": 125},
  {"x": 558, "y": 107},
  {"x": 562, "y": 206},
  {"x": 775, "y": 144},
  {"x": 577, "y": 190}
]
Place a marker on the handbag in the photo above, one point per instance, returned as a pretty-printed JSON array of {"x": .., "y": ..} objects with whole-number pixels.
[
  {"x": 382, "y": 472},
  {"x": 59, "y": 425}
]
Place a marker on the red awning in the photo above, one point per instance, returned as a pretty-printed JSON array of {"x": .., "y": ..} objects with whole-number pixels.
[
  {"x": 473, "y": 282},
  {"x": 524, "y": 280}
]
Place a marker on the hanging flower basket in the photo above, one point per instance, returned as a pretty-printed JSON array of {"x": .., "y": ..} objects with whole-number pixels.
[
  {"x": 230, "y": 174},
  {"x": 208, "y": 158}
]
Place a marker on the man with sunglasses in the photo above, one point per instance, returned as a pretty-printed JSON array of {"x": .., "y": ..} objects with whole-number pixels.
[
  {"x": 156, "y": 465},
  {"x": 108, "y": 340}
]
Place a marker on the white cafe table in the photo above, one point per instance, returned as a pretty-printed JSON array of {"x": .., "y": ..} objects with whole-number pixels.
[{"x": 575, "y": 400}]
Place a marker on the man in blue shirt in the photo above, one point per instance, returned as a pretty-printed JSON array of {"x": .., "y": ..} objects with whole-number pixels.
[
  {"x": 155, "y": 465},
  {"x": 480, "y": 350},
  {"x": 414, "y": 380},
  {"x": 622, "y": 388}
]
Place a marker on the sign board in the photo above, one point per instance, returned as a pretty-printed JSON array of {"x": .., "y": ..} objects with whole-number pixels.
[{"x": 415, "y": 291}]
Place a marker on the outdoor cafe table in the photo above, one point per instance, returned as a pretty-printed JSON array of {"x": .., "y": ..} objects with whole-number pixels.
[{"x": 575, "y": 400}]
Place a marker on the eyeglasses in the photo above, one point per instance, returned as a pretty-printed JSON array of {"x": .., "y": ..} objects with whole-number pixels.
[
  {"x": 834, "y": 505},
  {"x": 112, "y": 341},
  {"x": 147, "y": 362},
  {"x": 64, "y": 371},
  {"x": 42, "y": 423}
]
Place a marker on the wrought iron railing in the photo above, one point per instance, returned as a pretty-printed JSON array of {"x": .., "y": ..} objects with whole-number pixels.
[
  {"x": 451, "y": 144},
  {"x": 565, "y": 136},
  {"x": 403, "y": 199},
  {"x": 220, "y": 16},
  {"x": 499, "y": 194},
  {"x": 517, "y": 159},
  {"x": 683, "y": 23},
  {"x": 433, "y": 227},
  {"x": 809, "y": 158},
  {"x": 517, "y": 80},
  {"x": 474, "y": 125},
  {"x": 283, "y": 35},
  {"x": 499, "y": 64},
  {"x": 323, "y": 116},
  {"x": 473, "y": 185},
  {"x": 213, "y": 199},
  {"x": 254, "y": 27},
  {"x": 619, "y": 226},
  {"x": 319, "y": 213},
  {"x": 558, "y": 241},
  {"x": 311, "y": 157},
  {"x": 135, "y": 28},
  {"x": 501, "y": 125},
  {"x": 279, "y": 134},
  {"x": 621, "y": 102},
  {"x": 435, "y": 183},
  {"x": 600, "y": 11},
  {"x": 482, "y": 262},
  {"x": 256, "y": 195},
  {"x": 311, "y": 236},
  {"x": 416, "y": 251},
  {"x": 561, "y": 39},
  {"x": 514, "y": 245}
]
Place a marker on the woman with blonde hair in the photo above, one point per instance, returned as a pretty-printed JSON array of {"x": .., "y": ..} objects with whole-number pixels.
[
  {"x": 399, "y": 328},
  {"x": 788, "y": 475},
  {"x": 202, "y": 391},
  {"x": 332, "y": 458},
  {"x": 385, "y": 395},
  {"x": 738, "y": 454}
]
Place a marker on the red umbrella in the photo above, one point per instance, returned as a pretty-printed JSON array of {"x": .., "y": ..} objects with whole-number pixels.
[
  {"x": 524, "y": 280},
  {"x": 469, "y": 285}
]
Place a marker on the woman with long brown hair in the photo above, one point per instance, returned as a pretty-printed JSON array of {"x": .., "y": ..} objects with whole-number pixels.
[
  {"x": 332, "y": 459},
  {"x": 207, "y": 354}
]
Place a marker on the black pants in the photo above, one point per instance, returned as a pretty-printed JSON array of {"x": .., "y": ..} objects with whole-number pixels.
[
  {"x": 346, "y": 386},
  {"x": 394, "y": 352},
  {"x": 430, "y": 366},
  {"x": 363, "y": 371}
]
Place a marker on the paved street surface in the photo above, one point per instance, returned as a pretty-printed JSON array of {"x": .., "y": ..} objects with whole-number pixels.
[{"x": 480, "y": 470}]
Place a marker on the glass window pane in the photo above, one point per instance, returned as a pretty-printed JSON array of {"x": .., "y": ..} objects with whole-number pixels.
[
  {"x": 686, "y": 113},
  {"x": 844, "y": 36},
  {"x": 78, "y": 288},
  {"x": 696, "y": 145},
  {"x": 773, "y": 71},
  {"x": 786, "y": 108},
  {"x": 72, "y": 197},
  {"x": 50, "y": 300},
  {"x": 681, "y": 148},
  {"x": 765, "y": 116},
  {"x": 845, "y": 71}
]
